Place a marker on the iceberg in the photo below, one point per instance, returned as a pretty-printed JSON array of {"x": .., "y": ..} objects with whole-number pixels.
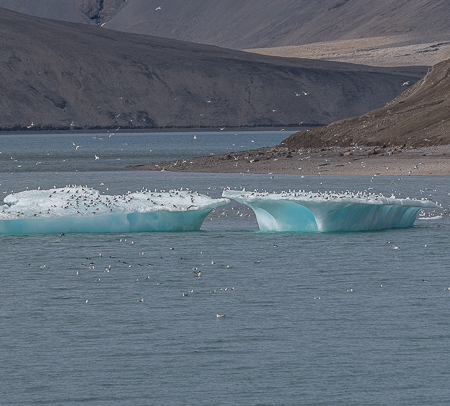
[
  {"x": 310, "y": 212},
  {"x": 77, "y": 209}
]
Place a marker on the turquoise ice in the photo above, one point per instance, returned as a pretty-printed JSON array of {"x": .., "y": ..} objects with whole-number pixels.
[
  {"x": 85, "y": 210},
  {"x": 309, "y": 212}
]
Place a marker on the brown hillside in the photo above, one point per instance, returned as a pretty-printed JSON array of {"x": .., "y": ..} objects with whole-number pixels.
[{"x": 418, "y": 117}]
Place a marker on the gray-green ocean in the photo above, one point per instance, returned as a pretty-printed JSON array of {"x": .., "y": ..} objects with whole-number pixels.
[{"x": 310, "y": 319}]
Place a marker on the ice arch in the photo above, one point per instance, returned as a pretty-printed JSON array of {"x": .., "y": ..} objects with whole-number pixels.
[{"x": 329, "y": 212}]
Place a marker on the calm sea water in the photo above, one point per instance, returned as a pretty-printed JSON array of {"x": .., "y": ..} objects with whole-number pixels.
[{"x": 317, "y": 319}]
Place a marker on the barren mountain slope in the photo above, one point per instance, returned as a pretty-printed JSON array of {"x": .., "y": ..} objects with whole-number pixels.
[
  {"x": 418, "y": 117},
  {"x": 59, "y": 75},
  {"x": 243, "y": 24}
]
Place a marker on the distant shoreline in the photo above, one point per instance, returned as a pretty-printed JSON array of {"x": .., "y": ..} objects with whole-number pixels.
[
  {"x": 368, "y": 161},
  {"x": 287, "y": 128}
]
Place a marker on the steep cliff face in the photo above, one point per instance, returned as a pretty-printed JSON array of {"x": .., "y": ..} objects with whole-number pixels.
[
  {"x": 92, "y": 9},
  {"x": 100, "y": 11},
  {"x": 418, "y": 117}
]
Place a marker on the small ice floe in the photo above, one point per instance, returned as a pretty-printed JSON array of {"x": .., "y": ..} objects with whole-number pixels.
[{"x": 429, "y": 218}]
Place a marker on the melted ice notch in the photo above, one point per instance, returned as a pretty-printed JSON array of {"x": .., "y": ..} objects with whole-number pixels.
[
  {"x": 85, "y": 210},
  {"x": 329, "y": 212}
]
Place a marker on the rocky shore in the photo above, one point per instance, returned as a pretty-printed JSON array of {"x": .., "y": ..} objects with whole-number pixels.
[{"x": 398, "y": 161}]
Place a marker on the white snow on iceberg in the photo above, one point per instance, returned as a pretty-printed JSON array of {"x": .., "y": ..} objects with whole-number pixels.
[
  {"x": 329, "y": 212},
  {"x": 84, "y": 210}
]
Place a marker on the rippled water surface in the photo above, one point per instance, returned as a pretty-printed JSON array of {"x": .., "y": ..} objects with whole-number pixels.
[{"x": 310, "y": 319}]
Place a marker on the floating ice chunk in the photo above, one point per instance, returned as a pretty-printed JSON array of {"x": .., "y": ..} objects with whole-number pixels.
[
  {"x": 430, "y": 218},
  {"x": 85, "y": 210},
  {"x": 329, "y": 212}
]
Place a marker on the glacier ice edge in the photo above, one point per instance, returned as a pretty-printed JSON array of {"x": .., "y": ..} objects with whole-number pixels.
[{"x": 309, "y": 212}]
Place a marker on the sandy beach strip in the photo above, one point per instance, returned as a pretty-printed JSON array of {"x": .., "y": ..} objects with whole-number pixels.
[{"x": 428, "y": 161}]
